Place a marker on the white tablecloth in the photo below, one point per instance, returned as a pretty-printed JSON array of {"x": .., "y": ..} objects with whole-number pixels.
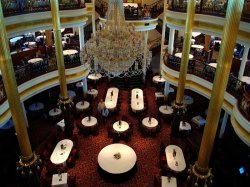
[
  {"x": 137, "y": 100},
  {"x": 82, "y": 105},
  {"x": 184, "y": 127},
  {"x": 59, "y": 155},
  {"x": 176, "y": 163},
  {"x": 94, "y": 76},
  {"x": 110, "y": 164},
  {"x": 70, "y": 52},
  {"x": 61, "y": 124},
  {"x": 71, "y": 94},
  {"x": 213, "y": 65},
  {"x": 245, "y": 79},
  {"x": 187, "y": 100},
  {"x": 93, "y": 92},
  {"x": 79, "y": 84},
  {"x": 198, "y": 120},
  {"x": 180, "y": 55},
  {"x": 164, "y": 109},
  {"x": 36, "y": 107},
  {"x": 32, "y": 44},
  {"x": 111, "y": 100},
  {"x": 217, "y": 41},
  {"x": 88, "y": 123},
  {"x": 35, "y": 60},
  {"x": 158, "y": 79},
  {"x": 197, "y": 46},
  {"x": 56, "y": 182},
  {"x": 171, "y": 182},
  {"x": 55, "y": 112},
  {"x": 122, "y": 127},
  {"x": 151, "y": 124},
  {"x": 40, "y": 37}
]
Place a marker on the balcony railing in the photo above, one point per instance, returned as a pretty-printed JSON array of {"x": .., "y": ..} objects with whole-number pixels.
[
  {"x": 30, "y": 71},
  {"x": 210, "y": 7},
  {"x": 203, "y": 70},
  {"x": 16, "y": 7},
  {"x": 132, "y": 13}
]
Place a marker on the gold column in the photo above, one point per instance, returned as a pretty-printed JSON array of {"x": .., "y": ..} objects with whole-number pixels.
[
  {"x": 49, "y": 40},
  {"x": 207, "y": 42},
  {"x": 10, "y": 85},
  {"x": 185, "y": 51},
  {"x": 59, "y": 49},
  {"x": 163, "y": 47},
  {"x": 229, "y": 36}
]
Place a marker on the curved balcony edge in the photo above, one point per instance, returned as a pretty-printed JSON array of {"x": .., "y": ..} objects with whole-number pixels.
[
  {"x": 21, "y": 24},
  {"x": 42, "y": 83},
  {"x": 243, "y": 122},
  {"x": 240, "y": 131},
  {"x": 207, "y": 24},
  {"x": 198, "y": 85}
]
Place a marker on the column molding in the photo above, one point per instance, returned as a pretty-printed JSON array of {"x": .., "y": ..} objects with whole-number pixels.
[
  {"x": 81, "y": 37},
  {"x": 243, "y": 62}
]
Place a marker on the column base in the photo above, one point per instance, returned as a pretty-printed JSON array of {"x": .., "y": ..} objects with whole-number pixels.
[
  {"x": 29, "y": 169},
  {"x": 178, "y": 115},
  {"x": 66, "y": 105},
  {"x": 199, "y": 177}
]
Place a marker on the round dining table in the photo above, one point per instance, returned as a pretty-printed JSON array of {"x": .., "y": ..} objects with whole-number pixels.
[
  {"x": 120, "y": 126},
  {"x": 70, "y": 52},
  {"x": 93, "y": 92},
  {"x": 117, "y": 158},
  {"x": 179, "y": 55},
  {"x": 89, "y": 121},
  {"x": 94, "y": 76},
  {"x": 82, "y": 105},
  {"x": 36, "y": 106},
  {"x": 167, "y": 110},
  {"x": 35, "y": 60},
  {"x": 158, "y": 79},
  {"x": 55, "y": 112}
]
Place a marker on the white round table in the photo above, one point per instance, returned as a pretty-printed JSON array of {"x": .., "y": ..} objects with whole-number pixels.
[
  {"x": 40, "y": 37},
  {"x": 79, "y": 84},
  {"x": 70, "y": 52},
  {"x": 30, "y": 44},
  {"x": 197, "y": 46},
  {"x": 184, "y": 127},
  {"x": 36, "y": 106},
  {"x": 89, "y": 123},
  {"x": 80, "y": 106},
  {"x": 150, "y": 124},
  {"x": 115, "y": 165},
  {"x": 217, "y": 41},
  {"x": 122, "y": 127},
  {"x": 213, "y": 65},
  {"x": 179, "y": 55},
  {"x": 94, "y": 76},
  {"x": 158, "y": 79},
  {"x": 55, "y": 112},
  {"x": 164, "y": 109},
  {"x": 245, "y": 79},
  {"x": 93, "y": 92},
  {"x": 187, "y": 100},
  {"x": 35, "y": 60}
]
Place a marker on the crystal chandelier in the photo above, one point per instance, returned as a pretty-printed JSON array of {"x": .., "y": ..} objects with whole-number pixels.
[{"x": 117, "y": 50}]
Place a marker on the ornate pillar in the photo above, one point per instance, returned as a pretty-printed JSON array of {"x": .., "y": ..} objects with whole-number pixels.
[
  {"x": 243, "y": 62},
  {"x": 29, "y": 161},
  {"x": 64, "y": 102},
  {"x": 93, "y": 18},
  {"x": 144, "y": 66},
  {"x": 179, "y": 108},
  {"x": 207, "y": 42},
  {"x": 81, "y": 37},
  {"x": 200, "y": 172},
  {"x": 49, "y": 40},
  {"x": 171, "y": 41},
  {"x": 163, "y": 47},
  {"x": 223, "y": 125}
]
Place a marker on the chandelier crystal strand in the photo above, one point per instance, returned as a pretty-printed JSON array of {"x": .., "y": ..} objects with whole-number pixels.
[{"x": 117, "y": 49}]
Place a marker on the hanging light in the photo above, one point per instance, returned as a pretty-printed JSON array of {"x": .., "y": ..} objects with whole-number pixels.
[{"x": 117, "y": 50}]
